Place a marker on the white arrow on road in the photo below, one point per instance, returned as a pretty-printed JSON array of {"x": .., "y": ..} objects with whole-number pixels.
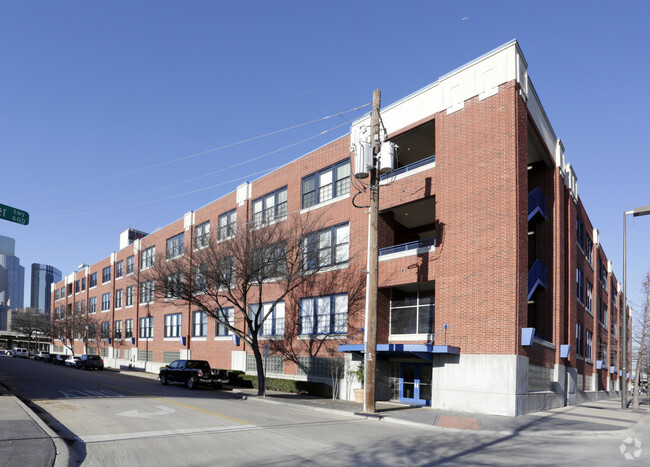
[{"x": 136, "y": 413}]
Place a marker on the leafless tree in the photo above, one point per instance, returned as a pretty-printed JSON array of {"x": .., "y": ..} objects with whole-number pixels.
[
  {"x": 30, "y": 322},
  {"x": 640, "y": 337},
  {"x": 261, "y": 263},
  {"x": 74, "y": 327}
]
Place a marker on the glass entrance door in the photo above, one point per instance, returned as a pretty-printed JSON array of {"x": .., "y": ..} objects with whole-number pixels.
[{"x": 415, "y": 383}]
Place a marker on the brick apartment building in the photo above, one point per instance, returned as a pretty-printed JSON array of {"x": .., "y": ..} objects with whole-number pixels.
[{"x": 495, "y": 294}]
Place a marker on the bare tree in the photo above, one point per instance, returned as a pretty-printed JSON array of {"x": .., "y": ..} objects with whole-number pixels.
[
  {"x": 30, "y": 322},
  {"x": 262, "y": 263},
  {"x": 640, "y": 337},
  {"x": 75, "y": 327}
]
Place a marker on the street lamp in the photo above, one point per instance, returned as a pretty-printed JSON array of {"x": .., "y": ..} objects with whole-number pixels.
[{"x": 642, "y": 211}]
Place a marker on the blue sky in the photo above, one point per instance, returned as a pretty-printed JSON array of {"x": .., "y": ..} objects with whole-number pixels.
[{"x": 98, "y": 98}]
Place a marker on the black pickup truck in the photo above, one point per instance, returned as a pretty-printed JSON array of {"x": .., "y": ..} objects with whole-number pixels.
[{"x": 192, "y": 373}]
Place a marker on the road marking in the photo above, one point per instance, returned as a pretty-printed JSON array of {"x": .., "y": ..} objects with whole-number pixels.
[
  {"x": 78, "y": 394},
  {"x": 137, "y": 414},
  {"x": 154, "y": 434}
]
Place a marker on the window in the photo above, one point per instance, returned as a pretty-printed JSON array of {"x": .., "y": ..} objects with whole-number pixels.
[
  {"x": 227, "y": 225},
  {"x": 602, "y": 313},
  {"x": 270, "y": 208},
  {"x": 589, "y": 344},
  {"x": 273, "y": 325},
  {"x": 83, "y": 283},
  {"x": 130, "y": 262},
  {"x": 128, "y": 328},
  {"x": 77, "y": 308},
  {"x": 92, "y": 281},
  {"x": 83, "y": 307},
  {"x": 56, "y": 294},
  {"x": 329, "y": 183},
  {"x": 173, "y": 325},
  {"x": 92, "y": 305},
  {"x": 118, "y": 330},
  {"x": 202, "y": 235},
  {"x": 590, "y": 297},
  {"x": 146, "y": 292},
  {"x": 176, "y": 246},
  {"x": 129, "y": 295},
  {"x": 579, "y": 342},
  {"x": 412, "y": 309},
  {"x": 602, "y": 350},
  {"x": 271, "y": 262},
  {"x": 118, "y": 298},
  {"x": 227, "y": 315},
  {"x": 146, "y": 327},
  {"x": 200, "y": 278},
  {"x": 602, "y": 273},
  {"x": 174, "y": 283},
  {"x": 76, "y": 287},
  {"x": 106, "y": 301},
  {"x": 589, "y": 250},
  {"x": 580, "y": 283},
  {"x": 324, "y": 315},
  {"x": 119, "y": 269},
  {"x": 148, "y": 258},
  {"x": 200, "y": 324},
  {"x": 106, "y": 329},
  {"x": 326, "y": 247},
  {"x": 580, "y": 233},
  {"x": 62, "y": 292},
  {"x": 106, "y": 274},
  {"x": 70, "y": 289}
]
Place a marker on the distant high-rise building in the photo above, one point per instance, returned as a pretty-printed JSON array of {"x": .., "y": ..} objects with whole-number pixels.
[
  {"x": 12, "y": 281},
  {"x": 42, "y": 277}
]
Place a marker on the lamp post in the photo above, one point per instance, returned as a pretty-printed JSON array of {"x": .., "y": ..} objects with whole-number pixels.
[{"x": 642, "y": 211}]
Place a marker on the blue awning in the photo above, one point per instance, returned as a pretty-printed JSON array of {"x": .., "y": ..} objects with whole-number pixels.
[{"x": 425, "y": 351}]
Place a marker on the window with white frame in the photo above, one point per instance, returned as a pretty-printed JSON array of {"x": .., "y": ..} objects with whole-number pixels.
[
  {"x": 174, "y": 284},
  {"x": 412, "y": 309},
  {"x": 324, "y": 315},
  {"x": 92, "y": 304},
  {"x": 83, "y": 307},
  {"x": 146, "y": 327},
  {"x": 200, "y": 278},
  {"x": 589, "y": 249},
  {"x": 119, "y": 269},
  {"x": 147, "y": 292},
  {"x": 128, "y": 328},
  {"x": 176, "y": 246},
  {"x": 327, "y": 247},
  {"x": 271, "y": 261},
  {"x": 602, "y": 312},
  {"x": 589, "y": 337},
  {"x": 173, "y": 325},
  {"x": 129, "y": 295},
  {"x": 92, "y": 280},
  {"x": 329, "y": 183},
  {"x": 579, "y": 341},
  {"x": 106, "y": 301},
  {"x": 118, "y": 329},
  {"x": 273, "y": 325},
  {"x": 148, "y": 257},
  {"x": 227, "y": 225},
  {"x": 270, "y": 208},
  {"x": 118, "y": 298},
  {"x": 228, "y": 316},
  {"x": 580, "y": 284},
  {"x": 106, "y": 274},
  {"x": 83, "y": 284},
  {"x": 202, "y": 235},
  {"x": 200, "y": 323},
  {"x": 590, "y": 297},
  {"x": 106, "y": 329},
  {"x": 130, "y": 263},
  {"x": 580, "y": 234}
]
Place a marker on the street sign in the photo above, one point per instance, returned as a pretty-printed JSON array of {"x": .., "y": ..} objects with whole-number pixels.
[{"x": 14, "y": 215}]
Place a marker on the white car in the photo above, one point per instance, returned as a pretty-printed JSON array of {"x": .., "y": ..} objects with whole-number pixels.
[
  {"x": 71, "y": 360},
  {"x": 20, "y": 352}
]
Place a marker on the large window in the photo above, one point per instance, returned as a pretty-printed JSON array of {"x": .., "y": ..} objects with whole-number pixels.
[
  {"x": 202, "y": 235},
  {"x": 412, "y": 309},
  {"x": 130, "y": 262},
  {"x": 324, "y": 315},
  {"x": 174, "y": 284},
  {"x": 118, "y": 330},
  {"x": 106, "y": 329},
  {"x": 580, "y": 234},
  {"x": 119, "y": 269},
  {"x": 329, "y": 183},
  {"x": 602, "y": 312},
  {"x": 602, "y": 273},
  {"x": 148, "y": 258},
  {"x": 106, "y": 301},
  {"x": 129, "y": 295},
  {"x": 589, "y": 297},
  {"x": 227, "y": 225},
  {"x": 274, "y": 323},
  {"x": 83, "y": 283},
  {"x": 173, "y": 325},
  {"x": 271, "y": 262},
  {"x": 92, "y": 280},
  {"x": 580, "y": 293},
  {"x": 200, "y": 323},
  {"x": 589, "y": 337},
  {"x": 327, "y": 247},
  {"x": 589, "y": 250},
  {"x": 146, "y": 327},
  {"x": 118, "y": 298},
  {"x": 106, "y": 274},
  {"x": 229, "y": 317},
  {"x": 92, "y": 305},
  {"x": 147, "y": 292},
  {"x": 579, "y": 341},
  {"x": 128, "y": 328},
  {"x": 270, "y": 208},
  {"x": 176, "y": 246}
]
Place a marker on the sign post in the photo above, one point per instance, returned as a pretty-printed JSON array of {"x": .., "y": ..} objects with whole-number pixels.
[{"x": 14, "y": 215}]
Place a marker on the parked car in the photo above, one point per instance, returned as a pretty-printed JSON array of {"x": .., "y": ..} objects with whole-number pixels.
[
  {"x": 71, "y": 360},
  {"x": 8, "y": 352},
  {"x": 59, "y": 359},
  {"x": 20, "y": 352},
  {"x": 193, "y": 373},
  {"x": 41, "y": 356},
  {"x": 86, "y": 362}
]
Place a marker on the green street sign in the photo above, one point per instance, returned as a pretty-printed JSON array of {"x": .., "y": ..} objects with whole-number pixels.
[{"x": 14, "y": 215}]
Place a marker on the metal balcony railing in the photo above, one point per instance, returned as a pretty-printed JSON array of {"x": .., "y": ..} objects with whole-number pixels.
[
  {"x": 536, "y": 203},
  {"x": 409, "y": 167},
  {"x": 536, "y": 277},
  {"x": 427, "y": 242}
]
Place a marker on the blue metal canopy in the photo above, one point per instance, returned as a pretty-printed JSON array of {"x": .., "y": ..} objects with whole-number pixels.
[{"x": 425, "y": 351}]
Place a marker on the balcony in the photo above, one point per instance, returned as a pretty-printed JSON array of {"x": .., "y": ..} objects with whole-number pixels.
[
  {"x": 425, "y": 243},
  {"x": 407, "y": 227},
  {"x": 536, "y": 204},
  {"x": 536, "y": 277},
  {"x": 407, "y": 168}
]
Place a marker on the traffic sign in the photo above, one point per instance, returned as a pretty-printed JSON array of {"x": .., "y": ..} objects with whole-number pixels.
[{"x": 14, "y": 215}]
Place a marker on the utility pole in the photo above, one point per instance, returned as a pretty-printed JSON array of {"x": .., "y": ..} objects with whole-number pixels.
[{"x": 370, "y": 355}]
